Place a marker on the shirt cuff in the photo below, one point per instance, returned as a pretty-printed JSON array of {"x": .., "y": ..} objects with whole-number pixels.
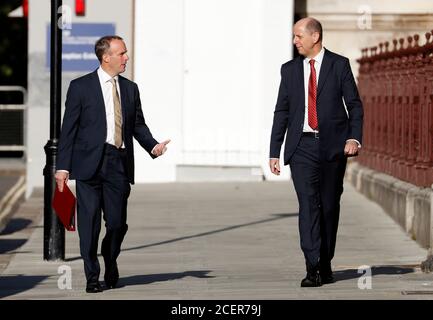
[{"x": 63, "y": 171}]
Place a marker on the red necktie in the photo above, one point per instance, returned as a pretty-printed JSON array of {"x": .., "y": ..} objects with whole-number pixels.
[{"x": 312, "y": 97}]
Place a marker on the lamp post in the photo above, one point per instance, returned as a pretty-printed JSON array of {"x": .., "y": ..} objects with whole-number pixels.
[{"x": 54, "y": 232}]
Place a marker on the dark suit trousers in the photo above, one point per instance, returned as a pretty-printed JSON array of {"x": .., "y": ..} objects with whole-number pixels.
[
  {"x": 107, "y": 191},
  {"x": 319, "y": 185}
]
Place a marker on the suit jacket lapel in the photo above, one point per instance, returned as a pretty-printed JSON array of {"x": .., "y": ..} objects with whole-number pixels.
[
  {"x": 123, "y": 98},
  {"x": 300, "y": 75},
  {"x": 98, "y": 92},
  {"x": 324, "y": 71}
]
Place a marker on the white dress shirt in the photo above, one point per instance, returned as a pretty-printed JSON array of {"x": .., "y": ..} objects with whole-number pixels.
[
  {"x": 107, "y": 93},
  {"x": 307, "y": 70}
]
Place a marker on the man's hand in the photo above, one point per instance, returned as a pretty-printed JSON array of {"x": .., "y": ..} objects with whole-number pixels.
[
  {"x": 274, "y": 165},
  {"x": 61, "y": 179},
  {"x": 351, "y": 148},
  {"x": 160, "y": 148}
]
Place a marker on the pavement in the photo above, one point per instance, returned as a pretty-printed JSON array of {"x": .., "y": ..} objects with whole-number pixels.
[
  {"x": 213, "y": 241},
  {"x": 12, "y": 187},
  {"x": 12, "y": 190}
]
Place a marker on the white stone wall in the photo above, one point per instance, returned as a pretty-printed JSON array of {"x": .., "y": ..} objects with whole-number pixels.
[
  {"x": 350, "y": 26},
  {"x": 208, "y": 71}
]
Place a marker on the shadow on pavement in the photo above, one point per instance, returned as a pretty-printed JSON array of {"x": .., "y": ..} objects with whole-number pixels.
[
  {"x": 7, "y": 245},
  {"x": 342, "y": 275},
  {"x": 276, "y": 216},
  {"x": 16, "y": 224},
  {"x": 160, "y": 277},
  {"x": 14, "y": 284}
]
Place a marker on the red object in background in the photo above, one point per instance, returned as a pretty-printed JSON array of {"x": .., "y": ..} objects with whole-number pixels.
[
  {"x": 396, "y": 86},
  {"x": 26, "y": 8},
  {"x": 80, "y": 7},
  {"x": 64, "y": 205}
]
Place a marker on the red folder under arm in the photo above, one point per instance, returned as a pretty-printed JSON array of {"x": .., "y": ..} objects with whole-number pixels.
[{"x": 64, "y": 205}]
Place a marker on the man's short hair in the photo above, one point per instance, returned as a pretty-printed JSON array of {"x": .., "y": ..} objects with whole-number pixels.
[
  {"x": 103, "y": 44},
  {"x": 314, "y": 25}
]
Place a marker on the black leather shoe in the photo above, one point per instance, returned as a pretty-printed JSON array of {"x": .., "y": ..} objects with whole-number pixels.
[
  {"x": 327, "y": 278},
  {"x": 111, "y": 276},
  {"x": 93, "y": 287},
  {"x": 311, "y": 280},
  {"x": 326, "y": 273}
]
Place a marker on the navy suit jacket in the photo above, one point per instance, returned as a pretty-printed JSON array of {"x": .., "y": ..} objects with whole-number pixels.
[
  {"x": 84, "y": 128},
  {"x": 335, "y": 125}
]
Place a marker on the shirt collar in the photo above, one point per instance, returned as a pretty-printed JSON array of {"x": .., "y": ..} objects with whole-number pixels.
[
  {"x": 318, "y": 58},
  {"x": 104, "y": 76}
]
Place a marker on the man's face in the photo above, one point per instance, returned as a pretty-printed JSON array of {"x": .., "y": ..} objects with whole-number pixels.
[
  {"x": 304, "y": 40},
  {"x": 117, "y": 57}
]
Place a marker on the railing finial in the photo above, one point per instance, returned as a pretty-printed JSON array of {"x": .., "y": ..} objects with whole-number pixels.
[
  {"x": 401, "y": 43},
  {"x": 416, "y": 37},
  {"x": 409, "y": 40},
  {"x": 427, "y": 37}
]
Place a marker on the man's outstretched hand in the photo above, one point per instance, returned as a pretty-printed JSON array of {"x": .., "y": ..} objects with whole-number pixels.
[{"x": 160, "y": 148}]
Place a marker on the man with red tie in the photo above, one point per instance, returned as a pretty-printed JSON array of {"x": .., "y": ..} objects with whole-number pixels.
[{"x": 320, "y": 112}]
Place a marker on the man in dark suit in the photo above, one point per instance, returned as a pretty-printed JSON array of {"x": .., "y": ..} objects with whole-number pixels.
[
  {"x": 103, "y": 112},
  {"x": 319, "y": 107}
]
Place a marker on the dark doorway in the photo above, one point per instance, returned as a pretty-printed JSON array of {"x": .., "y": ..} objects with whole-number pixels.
[
  {"x": 300, "y": 12},
  {"x": 13, "y": 72}
]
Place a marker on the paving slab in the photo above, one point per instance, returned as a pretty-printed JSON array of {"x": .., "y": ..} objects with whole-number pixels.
[{"x": 228, "y": 240}]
